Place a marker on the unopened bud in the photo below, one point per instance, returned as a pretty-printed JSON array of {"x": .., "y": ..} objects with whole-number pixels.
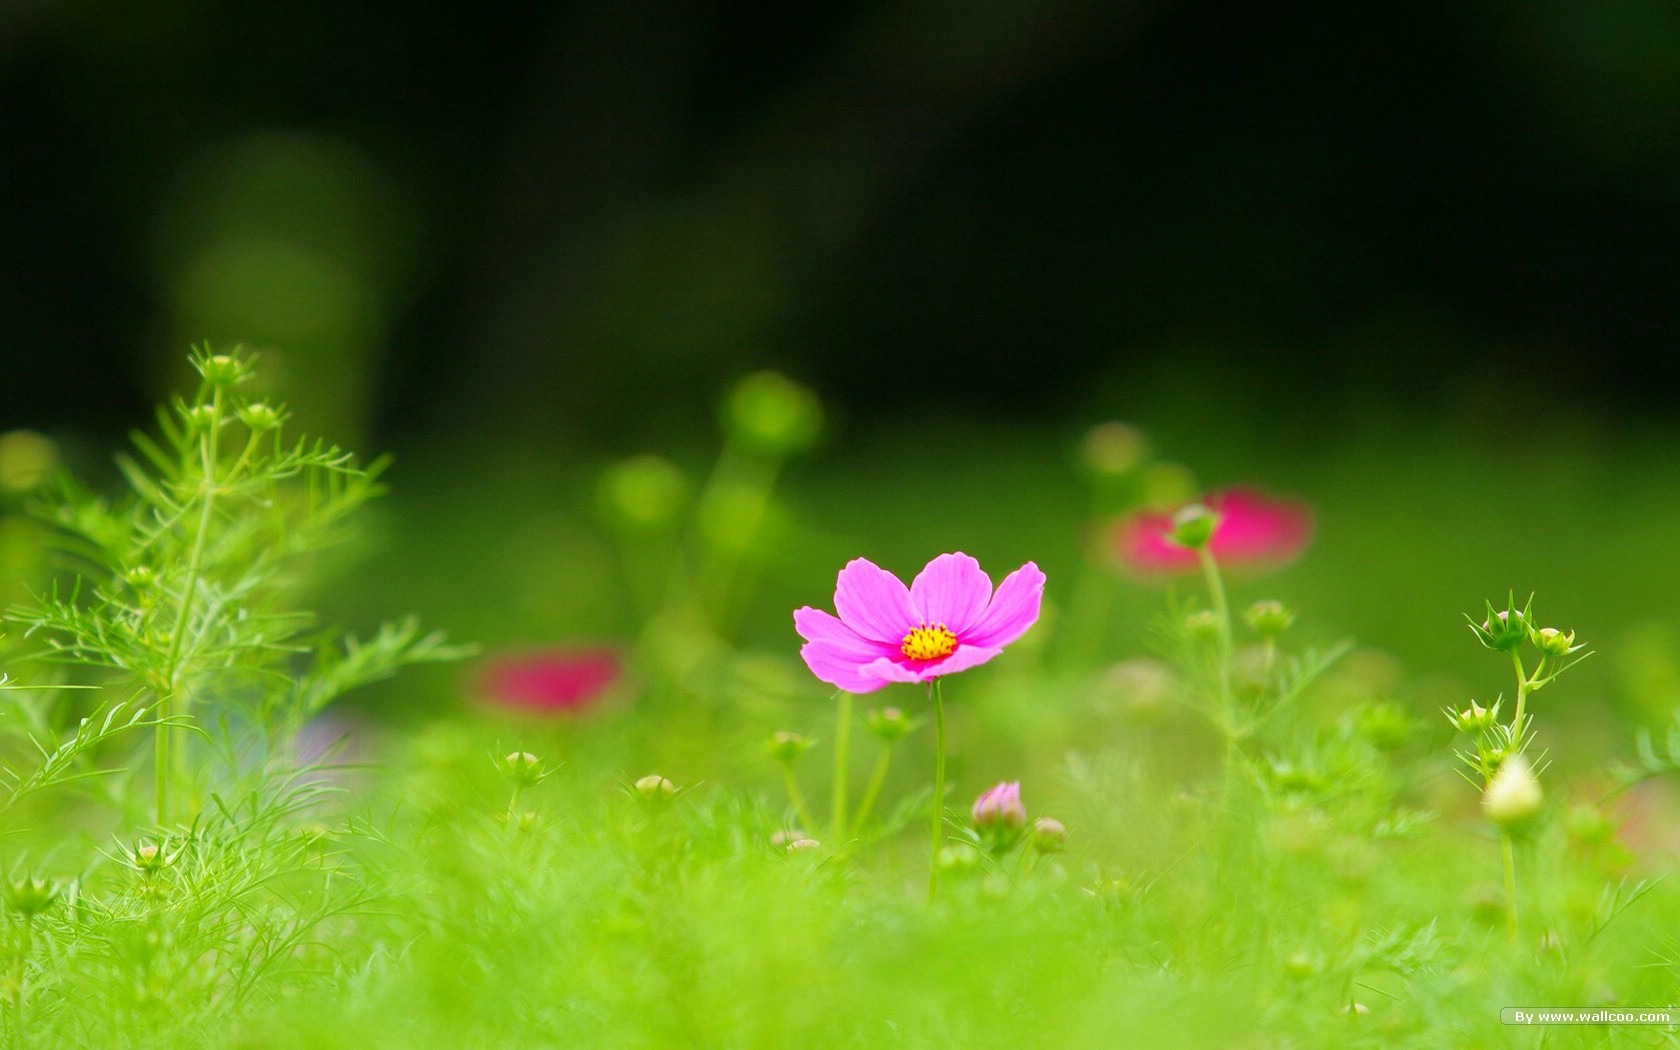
[
  {"x": 1112, "y": 449},
  {"x": 655, "y": 789},
  {"x": 1513, "y": 797},
  {"x": 149, "y": 858},
  {"x": 1203, "y": 624},
  {"x": 260, "y": 416},
  {"x": 1048, "y": 835},
  {"x": 787, "y": 746},
  {"x": 1193, "y": 526},
  {"x": 1473, "y": 719},
  {"x": 223, "y": 370},
  {"x": 29, "y": 896},
  {"x": 522, "y": 768},
  {"x": 1269, "y": 618},
  {"x": 804, "y": 846},
  {"x": 773, "y": 414},
  {"x": 1504, "y": 629},
  {"x": 200, "y": 417},
  {"x": 1553, "y": 642},
  {"x": 642, "y": 495},
  {"x": 1000, "y": 807},
  {"x": 888, "y": 724}
]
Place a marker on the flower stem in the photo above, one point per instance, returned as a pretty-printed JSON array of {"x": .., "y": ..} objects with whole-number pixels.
[
  {"x": 842, "y": 765},
  {"x": 1517, "y": 722},
  {"x": 877, "y": 777},
  {"x": 797, "y": 797},
  {"x": 164, "y": 758},
  {"x": 938, "y": 807},
  {"x": 1510, "y": 853}
]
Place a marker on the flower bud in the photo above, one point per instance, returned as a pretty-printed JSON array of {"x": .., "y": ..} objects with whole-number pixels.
[
  {"x": 642, "y": 495},
  {"x": 1203, "y": 624},
  {"x": 1504, "y": 629},
  {"x": 1473, "y": 719},
  {"x": 200, "y": 417},
  {"x": 223, "y": 370},
  {"x": 260, "y": 416},
  {"x": 1193, "y": 526},
  {"x": 140, "y": 577},
  {"x": 889, "y": 724},
  {"x": 29, "y": 896},
  {"x": 1552, "y": 641},
  {"x": 1513, "y": 797},
  {"x": 26, "y": 460},
  {"x": 787, "y": 746},
  {"x": 149, "y": 858},
  {"x": 1048, "y": 835},
  {"x": 804, "y": 846},
  {"x": 1112, "y": 449},
  {"x": 655, "y": 789},
  {"x": 1269, "y": 618},
  {"x": 522, "y": 769},
  {"x": 1000, "y": 807},
  {"x": 773, "y": 414}
]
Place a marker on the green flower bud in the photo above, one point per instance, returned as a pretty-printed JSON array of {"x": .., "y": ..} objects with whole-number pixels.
[
  {"x": 1553, "y": 642},
  {"x": 1193, "y": 526},
  {"x": 1504, "y": 629},
  {"x": 200, "y": 417},
  {"x": 773, "y": 414},
  {"x": 889, "y": 724},
  {"x": 655, "y": 790},
  {"x": 1269, "y": 618},
  {"x": 522, "y": 769},
  {"x": 223, "y": 370},
  {"x": 1474, "y": 719},
  {"x": 29, "y": 896},
  {"x": 642, "y": 495},
  {"x": 1048, "y": 835},
  {"x": 149, "y": 858},
  {"x": 26, "y": 460},
  {"x": 1513, "y": 797},
  {"x": 260, "y": 416},
  {"x": 787, "y": 746},
  {"x": 1114, "y": 449},
  {"x": 141, "y": 577},
  {"x": 1202, "y": 624}
]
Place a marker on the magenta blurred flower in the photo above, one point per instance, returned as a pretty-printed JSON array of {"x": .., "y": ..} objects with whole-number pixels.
[
  {"x": 550, "y": 681},
  {"x": 946, "y": 621},
  {"x": 1254, "y": 530},
  {"x": 1000, "y": 806}
]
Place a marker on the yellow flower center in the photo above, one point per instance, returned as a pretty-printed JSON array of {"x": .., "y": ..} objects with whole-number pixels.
[{"x": 928, "y": 643}]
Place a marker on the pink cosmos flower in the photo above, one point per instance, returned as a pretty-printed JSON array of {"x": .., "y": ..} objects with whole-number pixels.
[
  {"x": 550, "y": 681},
  {"x": 946, "y": 621},
  {"x": 1254, "y": 531}
]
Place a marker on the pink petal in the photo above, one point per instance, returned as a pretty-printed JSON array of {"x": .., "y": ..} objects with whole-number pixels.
[
  {"x": 902, "y": 670},
  {"x": 951, "y": 590},
  {"x": 1013, "y": 609},
  {"x": 841, "y": 667},
  {"x": 814, "y": 625},
  {"x": 873, "y": 602},
  {"x": 1144, "y": 547},
  {"x": 1257, "y": 528}
]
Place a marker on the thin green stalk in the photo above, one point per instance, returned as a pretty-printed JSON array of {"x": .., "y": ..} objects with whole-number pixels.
[
  {"x": 1510, "y": 853},
  {"x": 797, "y": 797},
  {"x": 1523, "y": 684},
  {"x": 877, "y": 777},
  {"x": 935, "y": 694},
  {"x": 842, "y": 765},
  {"x": 164, "y": 760}
]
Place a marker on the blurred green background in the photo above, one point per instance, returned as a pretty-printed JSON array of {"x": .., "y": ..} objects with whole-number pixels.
[{"x": 1413, "y": 263}]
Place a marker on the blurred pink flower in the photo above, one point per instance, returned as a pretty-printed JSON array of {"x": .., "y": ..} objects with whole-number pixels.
[
  {"x": 1000, "y": 805},
  {"x": 946, "y": 621},
  {"x": 1254, "y": 531},
  {"x": 550, "y": 681}
]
